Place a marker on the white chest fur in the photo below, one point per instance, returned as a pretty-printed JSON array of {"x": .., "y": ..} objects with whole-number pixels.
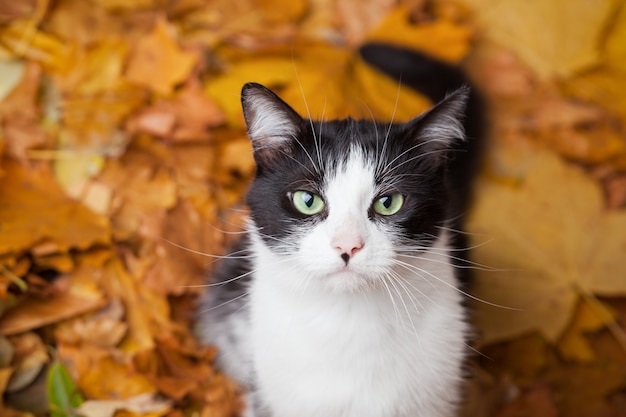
[{"x": 381, "y": 352}]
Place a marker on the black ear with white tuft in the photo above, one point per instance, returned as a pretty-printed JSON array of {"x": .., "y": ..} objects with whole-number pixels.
[
  {"x": 441, "y": 127},
  {"x": 272, "y": 123}
]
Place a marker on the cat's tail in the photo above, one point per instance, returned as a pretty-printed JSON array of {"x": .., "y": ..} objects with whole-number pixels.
[{"x": 425, "y": 74}]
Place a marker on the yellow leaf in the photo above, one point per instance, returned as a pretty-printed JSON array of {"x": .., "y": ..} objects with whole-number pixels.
[
  {"x": 557, "y": 38},
  {"x": 590, "y": 315},
  {"x": 24, "y": 40},
  {"x": 553, "y": 240},
  {"x": 605, "y": 84},
  {"x": 324, "y": 83},
  {"x": 441, "y": 38},
  {"x": 226, "y": 89},
  {"x": 109, "y": 379},
  {"x": 120, "y": 284},
  {"x": 158, "y": 62},
  {"x": 278, "y": 12}
]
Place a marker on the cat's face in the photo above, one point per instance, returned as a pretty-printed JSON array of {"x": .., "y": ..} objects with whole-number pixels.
[{"x": 343, "y": 199}]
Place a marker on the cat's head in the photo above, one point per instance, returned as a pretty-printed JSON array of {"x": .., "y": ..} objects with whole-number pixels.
[{"x": 344, "y": 198}]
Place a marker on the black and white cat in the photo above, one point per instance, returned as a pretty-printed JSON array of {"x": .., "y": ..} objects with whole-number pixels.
[{"x": 343, "y": 299}]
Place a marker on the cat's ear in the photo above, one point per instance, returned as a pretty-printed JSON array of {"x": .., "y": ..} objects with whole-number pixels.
[
  {"x": 441, "y": 127},
  {"x": 272, "y": 124}
]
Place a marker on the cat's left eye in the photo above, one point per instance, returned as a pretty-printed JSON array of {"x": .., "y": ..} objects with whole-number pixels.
[{"x": 387, "y": 205}]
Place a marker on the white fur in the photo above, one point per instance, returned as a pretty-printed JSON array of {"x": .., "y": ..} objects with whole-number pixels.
[
  {"x": 270, "y": 125},
  {"x": 330, "y": 340}
]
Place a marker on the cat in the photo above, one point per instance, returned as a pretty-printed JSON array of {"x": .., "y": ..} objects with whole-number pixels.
[{"x": 343, "y": 298}]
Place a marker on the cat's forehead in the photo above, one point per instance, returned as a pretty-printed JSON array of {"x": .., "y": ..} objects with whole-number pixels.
[{"x": 353, "y": 177}]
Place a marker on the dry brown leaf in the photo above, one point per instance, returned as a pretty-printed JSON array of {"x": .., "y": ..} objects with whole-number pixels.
[
  {"x": 186, "y": 244},
  {"x": 88, "y": 23},
  {"x": 580, "y": 132},
  {"x": 358, "y": 21},
  {"x": 105, "y": 328},
  {"x": 522, "y": 359},
  {"x": 81, "y": 296},
  {"x": 537, "y": 401},
  {"x": 584, "y": 389},
  {"x": 20, "y": 113},
  {"x": 141, "y": 308},
  {"x": 553, "y": 240},
  {"x": 38, "y": 211},
  {"x": 10, "y": 11},
  {"x": 30, "y": 356},
  {"x": 109, "y": 379},
  {"x": 157, "y": 61},
  {"x": 141, "y": 405},
  {"x": 186, "y": 118}
]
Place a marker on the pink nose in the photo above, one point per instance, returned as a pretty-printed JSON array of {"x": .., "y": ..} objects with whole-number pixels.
[{"x": 347, "y": 248}]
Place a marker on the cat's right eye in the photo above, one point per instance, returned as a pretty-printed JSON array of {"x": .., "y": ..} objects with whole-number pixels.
[{"x": 307, "y": 203}]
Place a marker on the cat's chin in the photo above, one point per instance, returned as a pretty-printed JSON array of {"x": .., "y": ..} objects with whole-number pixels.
[{"x": 347, "y": 281}]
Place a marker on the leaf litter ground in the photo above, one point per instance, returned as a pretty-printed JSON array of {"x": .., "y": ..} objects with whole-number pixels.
[{"x": 124, "y": 158}]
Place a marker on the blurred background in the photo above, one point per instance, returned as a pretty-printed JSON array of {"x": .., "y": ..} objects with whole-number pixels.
[{"x": 124, "y": 159}]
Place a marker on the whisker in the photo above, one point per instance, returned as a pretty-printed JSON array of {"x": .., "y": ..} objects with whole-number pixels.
[
  {"x": 208, "y": 255},
  {"x": 225, "y": 303},
  {"x": 308, "y": 111},
  {"x": 416, "y": 269}
]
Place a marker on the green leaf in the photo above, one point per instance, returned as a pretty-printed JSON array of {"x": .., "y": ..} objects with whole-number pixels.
[{"x": 63, "y": 395}]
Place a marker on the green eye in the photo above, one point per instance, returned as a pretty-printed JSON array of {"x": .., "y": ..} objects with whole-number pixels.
[
  {"x": 307, "y": 203},
  {"x": 389, "y": 204}
]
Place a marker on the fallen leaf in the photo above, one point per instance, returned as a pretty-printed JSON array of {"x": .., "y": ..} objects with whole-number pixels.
[
  {"x": 89, "y": 23},
  {"x": 548, "y": 248},
  {"x": 342, "y": 87},
  {"x": 33, "y": 313},
  {"x": 185, "y": 245},
  {"x": 72, "y": 294},
  {"x": 30, "y": 357},
  {"x": 25, "y": 40},
  {"x": 140, "y": 405},
  {"x": 20, "y": 113},
  {"x": 10, "y": 11},
  {"x": 157, "y": 62},
  {"x": 441, "y": 38},
  {"x": 37, "y": 210},
  {"x": 537, "y": 401},
  {"x": 5, "y": 376},
  {"x": 140, "y": 310},
  {"x": 580, "y": 132},
  {"x": 604, "y": 84},
  {"x": 522, "y": 359},
  {"x": 105, "y": 328},
  {"x": 590, "y": 315},
  {"x": 358, "y": 21},
  {"x": 188, "y": 117},
  {"x": 592, "y": 384},
  {"x": 547, "y": 36},
  {"x": 63, "y": 395},
  {"x": 109, "y": 379}
]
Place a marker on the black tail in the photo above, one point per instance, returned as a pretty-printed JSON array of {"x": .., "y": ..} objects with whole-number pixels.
[{"x": 436, "y": 79}]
